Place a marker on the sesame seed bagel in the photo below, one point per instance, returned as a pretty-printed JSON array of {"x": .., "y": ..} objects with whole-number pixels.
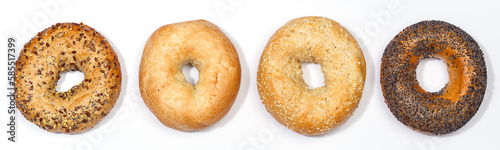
[
  {"x": 174, "y": 101},
  {"x": 283, "y": 90},
  {"x": 61, "y": 48},
  {"x": 454, "y": 105}
]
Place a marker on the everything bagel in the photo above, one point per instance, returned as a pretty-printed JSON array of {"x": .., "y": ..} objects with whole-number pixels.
[{"x": 61, "y": 48}]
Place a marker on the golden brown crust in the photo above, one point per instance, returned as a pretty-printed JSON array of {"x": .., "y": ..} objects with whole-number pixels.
[
  {"x": 284, "y": 92},
  {"x": 57, "y": 49},
  {"x": 164, "y": 89}
]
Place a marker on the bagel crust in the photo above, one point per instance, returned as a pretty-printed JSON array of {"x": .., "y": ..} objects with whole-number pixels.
[
  {"x": 283, "y": 90},
  {"x": 61, "y": 48},
  {"x": 174, "y": 101},
  {"x": 454, "y": 105}
]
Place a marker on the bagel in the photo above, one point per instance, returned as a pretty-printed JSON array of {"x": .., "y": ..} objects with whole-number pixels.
[
  {"x": 455, "y": 104},
  {"x": 283, "y": 90},
  {"x": 61, "y": 48},
  {"x": 175, "y": 102}
]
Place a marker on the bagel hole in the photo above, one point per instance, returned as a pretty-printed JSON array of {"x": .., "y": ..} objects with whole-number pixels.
[
  {"x": 312, "y": 74},
  {"x": 432, "y": 74},
  {"x": 190, "y": 73},
  {"x": 68, "y": 80}
]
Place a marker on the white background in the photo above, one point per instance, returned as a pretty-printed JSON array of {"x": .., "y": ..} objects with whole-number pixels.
[{"x": 249, "y": 24}]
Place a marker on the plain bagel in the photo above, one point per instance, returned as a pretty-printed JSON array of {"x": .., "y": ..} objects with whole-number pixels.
[{"x": 174, "y": 101}]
